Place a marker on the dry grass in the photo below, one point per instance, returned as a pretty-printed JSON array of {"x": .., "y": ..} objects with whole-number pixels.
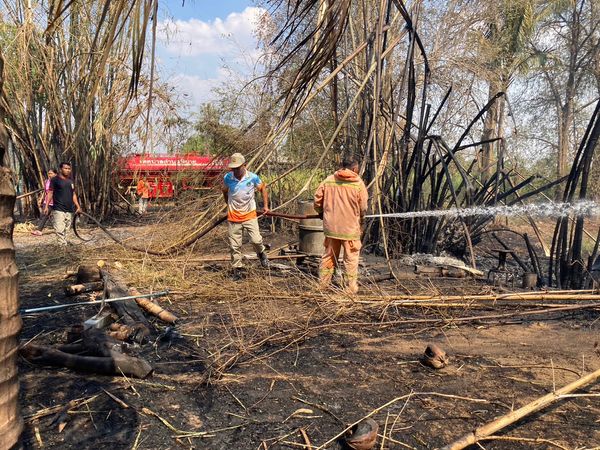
[{"x": 237, "y": 323}]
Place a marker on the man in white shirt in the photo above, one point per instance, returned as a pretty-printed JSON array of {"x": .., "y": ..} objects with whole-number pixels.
[{"x": 239, "y": 187}]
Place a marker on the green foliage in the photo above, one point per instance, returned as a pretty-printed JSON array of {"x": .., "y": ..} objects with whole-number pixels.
[
  {"x": 212, "y": 136},
  {"x": 289, "y": 186},
  {"x": 196, "y": 144},
  {"x": 505, "y": 44}
]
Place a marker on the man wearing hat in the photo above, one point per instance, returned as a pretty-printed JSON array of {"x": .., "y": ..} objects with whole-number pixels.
[{"x": 239, "y": 187}]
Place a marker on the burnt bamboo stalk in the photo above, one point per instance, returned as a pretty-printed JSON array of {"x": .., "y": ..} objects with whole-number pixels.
[
  {"x": 535, "y": 262},
  {"x": 594, "y": 253},
  {"x": 514, "y": 416},
  {"x": 462, "y": 220},
  {"x": 559, "y": 265},
  {"x": 576, "y": 262},
  {"x": 438, "y": 110}
]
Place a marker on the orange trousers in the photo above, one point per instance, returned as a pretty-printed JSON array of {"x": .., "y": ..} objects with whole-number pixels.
[{"x": 330, "y": 259}]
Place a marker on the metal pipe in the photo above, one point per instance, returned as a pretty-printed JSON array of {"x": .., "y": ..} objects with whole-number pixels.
[{"x": 97, "y": 302}]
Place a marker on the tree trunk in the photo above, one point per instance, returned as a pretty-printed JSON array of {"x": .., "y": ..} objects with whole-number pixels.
[
  {"x": 490, "y": 128},
  {"x": 564, "y": 143},
  {"x": 11, "y": 423}
]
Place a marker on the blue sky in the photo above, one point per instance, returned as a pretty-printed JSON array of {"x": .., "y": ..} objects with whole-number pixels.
[
  {"x": 196, "y": 41},
  {"x": 202, "y": 9}
]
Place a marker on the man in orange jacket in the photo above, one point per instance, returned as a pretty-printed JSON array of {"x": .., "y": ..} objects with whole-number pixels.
[{"x": 342, "y": 201}]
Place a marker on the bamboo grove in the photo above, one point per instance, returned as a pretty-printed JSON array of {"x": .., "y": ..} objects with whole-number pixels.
[
  {"x": 69, "y": 92},
  {"x": 69, "y": 72},
  {"x": 370, "y": 61},
  {"x": 78, "y": 85}
]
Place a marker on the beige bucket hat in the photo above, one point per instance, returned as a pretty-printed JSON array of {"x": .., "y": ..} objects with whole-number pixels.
[{"x": 236, "y": 160}]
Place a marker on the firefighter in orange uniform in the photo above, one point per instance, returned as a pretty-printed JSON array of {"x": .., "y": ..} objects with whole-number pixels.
[{"x": 341, "y": 200}]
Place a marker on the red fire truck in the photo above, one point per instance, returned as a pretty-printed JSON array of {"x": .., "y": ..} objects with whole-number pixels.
[{"x": 169, "y": 175}]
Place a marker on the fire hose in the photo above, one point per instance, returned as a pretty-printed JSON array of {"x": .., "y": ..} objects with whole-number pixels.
[{"x": 219, "y": 221}]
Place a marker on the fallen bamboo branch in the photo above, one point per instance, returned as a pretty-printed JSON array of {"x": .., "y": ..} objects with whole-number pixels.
[
  {"x": 27, "y": 194},
  {"x": 117, "y": 399},
  {"x": 512, "y": 417},
  {"x": 537, "y": 296},
  {"x": 209, "y": 258},
  {"x": 444, "y": 320},
  {"x": 308, "y": 445},
  {"x": 75, "y": 403},
  {"x": 521, "y": 439}
]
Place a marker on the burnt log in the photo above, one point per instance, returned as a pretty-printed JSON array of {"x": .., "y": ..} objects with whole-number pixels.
[
  {"x": 115, "y": 364},
  {"x": 98, "y": 343},
  {"x": 88, "y": 274},
  {"x": 128, "y": 310},
  {"x": 76, "y": 289}
]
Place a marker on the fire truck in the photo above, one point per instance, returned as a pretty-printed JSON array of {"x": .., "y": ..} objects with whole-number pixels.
[{"x": 170, "y": 175}]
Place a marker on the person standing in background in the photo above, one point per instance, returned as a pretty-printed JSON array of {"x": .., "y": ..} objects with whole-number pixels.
[
  {"x": 44, "y": 203},
  {"x": 143, "y": 191},
  {"x": 64, "y": 202}
]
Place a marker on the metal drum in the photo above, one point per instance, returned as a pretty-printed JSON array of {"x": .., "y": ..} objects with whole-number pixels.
[{"x": 311, "y": 230}]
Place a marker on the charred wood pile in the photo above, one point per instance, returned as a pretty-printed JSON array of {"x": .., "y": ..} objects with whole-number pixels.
[{"x": 109, "y": 342}]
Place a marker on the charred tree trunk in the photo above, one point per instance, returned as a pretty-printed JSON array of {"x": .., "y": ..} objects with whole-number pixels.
[
  {"x": 114, "y": 363},
  {"x": 129, "y": 311},
  {"x": 11, "y": 423}
]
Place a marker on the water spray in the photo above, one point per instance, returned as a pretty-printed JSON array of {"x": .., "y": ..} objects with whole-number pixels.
[{"x": 586, "y": 208}]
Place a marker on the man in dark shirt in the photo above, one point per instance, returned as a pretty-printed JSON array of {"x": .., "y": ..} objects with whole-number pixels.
[{"x": 64, "y": 200}]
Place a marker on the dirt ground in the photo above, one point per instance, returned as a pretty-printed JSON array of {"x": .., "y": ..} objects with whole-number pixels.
[{"x": 345, "y": 363}]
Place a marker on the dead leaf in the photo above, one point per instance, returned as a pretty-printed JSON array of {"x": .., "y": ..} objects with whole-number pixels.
[{"x": 300, "y": 412}]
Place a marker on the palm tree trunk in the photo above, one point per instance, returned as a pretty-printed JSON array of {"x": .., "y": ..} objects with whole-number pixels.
[
  {"x": 11, "y": 423},
  {"x": 490, "y": 129},
  {"x": 564, "y": 143}
]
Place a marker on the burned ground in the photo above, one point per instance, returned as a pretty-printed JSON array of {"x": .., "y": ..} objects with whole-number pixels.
[{"x": 254, "y": 363}]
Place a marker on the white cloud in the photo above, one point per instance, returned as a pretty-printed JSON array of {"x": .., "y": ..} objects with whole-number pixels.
[
  {"x": 195, "y": 89},
  {"x": 193, "y": 37}
]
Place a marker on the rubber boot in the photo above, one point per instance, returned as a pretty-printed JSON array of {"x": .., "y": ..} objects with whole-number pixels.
[{"x": 264, "y": 260}]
